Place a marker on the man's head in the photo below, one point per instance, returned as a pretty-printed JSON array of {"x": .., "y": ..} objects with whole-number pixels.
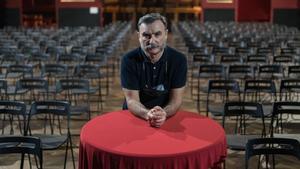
[{"x": 152, "y": 33}]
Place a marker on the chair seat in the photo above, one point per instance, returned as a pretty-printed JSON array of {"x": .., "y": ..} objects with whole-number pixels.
[
  {"x": 78, "y": 110},
  {"x": 204, "y": 89},
  {"x": 6, "y": 145},
  {"x": 293, "y": 136},
  {"x": 238, "y": 142},
  {"x": 216, "y": 109},
  {"x": 82, "y": 91},
  {"x": 51, "y": 142},
  {"x": 267, "y": 108}
]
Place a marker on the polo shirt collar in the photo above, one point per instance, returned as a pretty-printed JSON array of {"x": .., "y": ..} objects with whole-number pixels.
[{"x": 163, "y": 58}]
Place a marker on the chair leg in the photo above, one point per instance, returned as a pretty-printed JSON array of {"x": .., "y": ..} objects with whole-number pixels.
[
  {"x": 72, "y": 151},
  {"x": 22, "y": 161},
  {"x": 66, "y": 155}
]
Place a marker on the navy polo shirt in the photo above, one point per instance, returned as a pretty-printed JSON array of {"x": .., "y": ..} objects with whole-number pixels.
[{"x": 138, "y": 73}]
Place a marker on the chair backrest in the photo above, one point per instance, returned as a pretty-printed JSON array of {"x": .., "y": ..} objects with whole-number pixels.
[
  {"x": 280, "y": 109},
  {"x": 220, "y": 50},
  {"x": 268, "y": 71},
  {"x": 38, "y": 57},
  {"x": 240, "y": 72},
  {"x": 35, "y": 88},
  {"x": 259, "y": 86},
  {"x": 223, "y": 86},
  {"x": 56, "y": 108},
  {"x": 32, "y": 84},
  {"x": 294, "y": 71},
  {"x": 50, "y": 70},
  {"x": 69, "y": 84},
  {"x": 261, "y": 91},
  {"x": 231, "y": 59},
  {"x": 271, "y": 146},
  {"x": 96, "y": 58},
  {"x": 22, "y": 145},
  {"x": 240, "y": 110},
  {"x": 265, "y": 51},
  {"x": 203, "y": 58},
  {"x": 68, "y": 59},
  {"x": 257, "y": 59},
  {"x": 289, "y": 90},
  {"x": 243, "y": 50},
  {"x": 23, "y": 70},
  {"x": 212, "y": 71},
  {"x": 287, "y": 51},
  {"x": 283, "y": 59},
  {"x": 87, "y": 71}
]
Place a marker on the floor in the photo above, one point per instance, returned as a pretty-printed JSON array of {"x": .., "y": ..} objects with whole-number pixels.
[{"x": 54, "y": 159}]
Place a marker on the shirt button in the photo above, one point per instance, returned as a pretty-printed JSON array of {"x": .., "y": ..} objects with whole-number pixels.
[{"x": 154, "y": 67}]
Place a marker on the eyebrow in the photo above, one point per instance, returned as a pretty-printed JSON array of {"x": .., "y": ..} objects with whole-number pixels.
[{"x": 148, "y": 34}]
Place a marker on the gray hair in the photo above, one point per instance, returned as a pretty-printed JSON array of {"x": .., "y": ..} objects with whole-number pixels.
[{"x": 150, "y": 18}]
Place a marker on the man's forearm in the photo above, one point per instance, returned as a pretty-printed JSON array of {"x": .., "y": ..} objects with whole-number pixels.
[
  {"x": 172, "y": 108},
  {"x": 175, "y": 101},
  {"x": 137, "y": 108}
]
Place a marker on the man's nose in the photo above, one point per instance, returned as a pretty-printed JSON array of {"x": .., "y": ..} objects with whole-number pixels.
[{"x": 152, "y": 39}]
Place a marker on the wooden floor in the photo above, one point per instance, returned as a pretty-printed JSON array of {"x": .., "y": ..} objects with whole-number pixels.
[{"x": 54, "y": 159}]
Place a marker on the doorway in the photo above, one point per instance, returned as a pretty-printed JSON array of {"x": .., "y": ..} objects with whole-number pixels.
[
  {"x": 254, "y": 11},
  {"x": 38, "y": 13}
]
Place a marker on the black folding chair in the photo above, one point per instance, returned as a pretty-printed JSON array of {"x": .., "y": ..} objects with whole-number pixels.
[
  {"x": 22, "y": 145},
  {"x": 245, "y": 115},
  {"x": 271, "y": 146},
  {"x": 52, "y": 125}
]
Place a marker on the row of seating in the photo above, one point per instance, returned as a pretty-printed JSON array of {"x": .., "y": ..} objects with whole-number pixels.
[
  {"x": 67, "y": 45},
  {"x": 218, "y": 92},
  {"x": 249, "y": 130},
  {"x": 246, "y": 75},
  {"x": 45, "y": 127},
  {"x": 39, "y": 66},
  {"x": 226, "y": 34}
]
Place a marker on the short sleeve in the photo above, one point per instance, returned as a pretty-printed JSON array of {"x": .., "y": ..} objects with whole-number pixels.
[
  {"x": 129, "y": 74},
  {"x": 179, "y": 75}
]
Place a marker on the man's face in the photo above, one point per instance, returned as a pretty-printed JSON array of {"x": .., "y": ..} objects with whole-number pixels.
[{"x": 153, "y": 38}]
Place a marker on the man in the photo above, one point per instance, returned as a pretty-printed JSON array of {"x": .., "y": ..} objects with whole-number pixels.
[{"x": 153, "y": 76}]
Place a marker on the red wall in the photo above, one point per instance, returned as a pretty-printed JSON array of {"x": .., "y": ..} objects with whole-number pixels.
[
  {"x": 285, "y": 4},
  {"x": 254, "y": 10},
  {"x": 12, "y": 3},
  {"x": 206, "y": 5}
]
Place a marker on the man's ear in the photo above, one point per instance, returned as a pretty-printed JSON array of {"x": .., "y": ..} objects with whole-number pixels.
[{"x": 138, "y": 33}]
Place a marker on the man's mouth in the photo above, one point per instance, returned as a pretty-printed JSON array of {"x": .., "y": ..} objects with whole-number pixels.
[{"x": 151, "y": 46}]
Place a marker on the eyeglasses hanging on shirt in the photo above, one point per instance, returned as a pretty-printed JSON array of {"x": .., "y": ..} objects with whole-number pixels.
[{"x": 157, "y": 90}]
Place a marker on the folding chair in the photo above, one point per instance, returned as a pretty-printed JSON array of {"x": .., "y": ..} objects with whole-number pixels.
[
  {"x": 52, "y": 125},
  {"x": 22, "y": 145},
  {"x": 271, "y": 146}
]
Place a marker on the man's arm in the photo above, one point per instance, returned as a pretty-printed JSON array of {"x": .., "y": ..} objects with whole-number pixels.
[
  {"x": 175, "y": 101},
  {"x": 160, "y": 114},
  {"x": 134, "y": 105}
]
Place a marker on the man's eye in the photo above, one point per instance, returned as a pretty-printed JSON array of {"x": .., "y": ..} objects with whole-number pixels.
[
  {"x": 146, "y": 36},
  {"x": 157, "y": 34}
]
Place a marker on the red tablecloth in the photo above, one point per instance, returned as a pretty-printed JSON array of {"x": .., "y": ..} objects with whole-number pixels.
[{"x": 120, "y": 140}]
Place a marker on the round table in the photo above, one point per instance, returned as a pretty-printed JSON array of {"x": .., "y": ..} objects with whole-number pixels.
[{"x": 120, "y": 140}]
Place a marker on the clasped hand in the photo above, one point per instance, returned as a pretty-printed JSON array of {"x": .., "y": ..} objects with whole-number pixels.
[{"x": 156, "y": 116}]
